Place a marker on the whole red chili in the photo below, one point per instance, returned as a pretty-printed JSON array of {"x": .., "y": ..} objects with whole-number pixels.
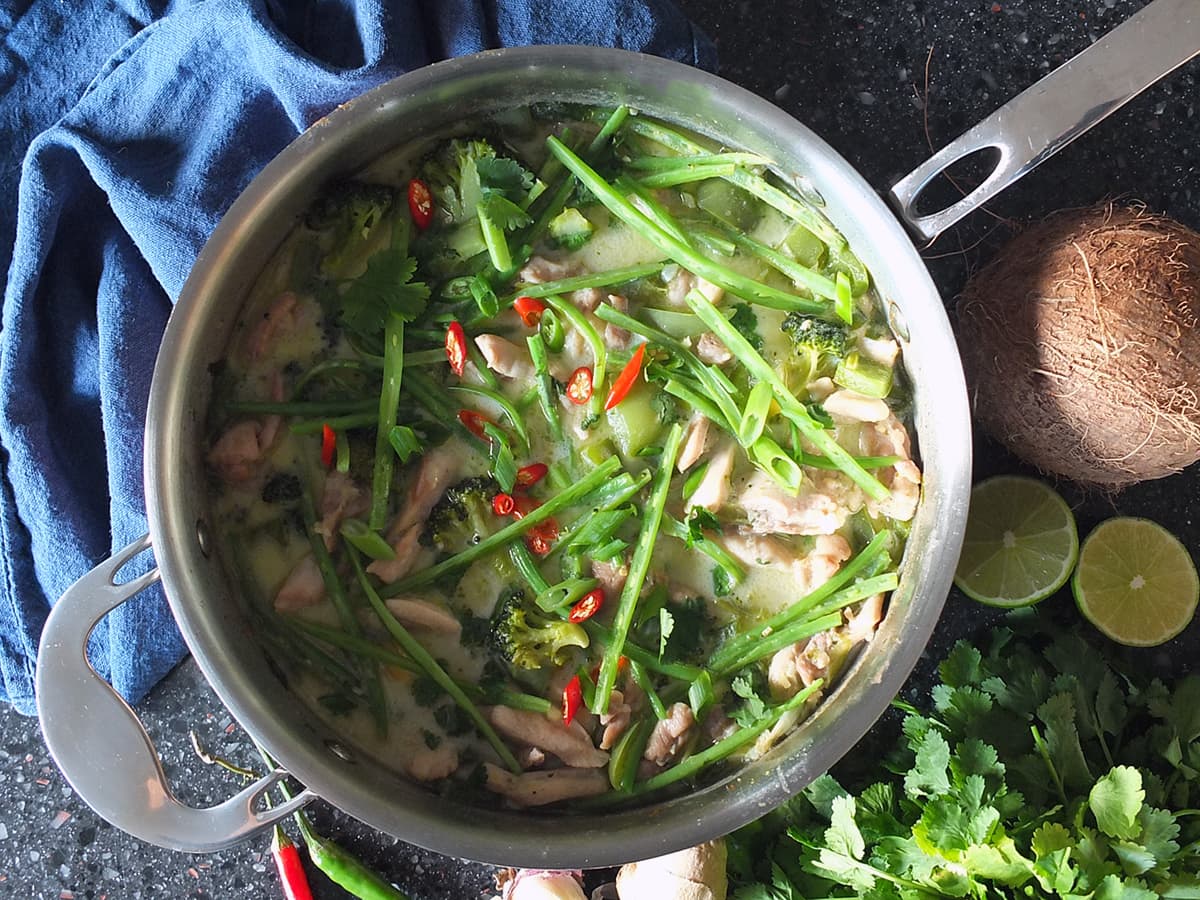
[
  {"x": 456, "y": 347},
  {"x": 579, "y": 386},
  {"x": 328, "y": 446},
  {"x": 420, "y": 203},
  {"x": 503, "y": 504},
  {"x": 627, "y": 378},
  {"x": 291, "y": 872},
  {"x": 529, "y": 309},
  {"x": 474, "y": 422},
  {"x": 572, "y": 699},
  {"x": 528, "y": 476},
  {"x": 587, "y": 606}
]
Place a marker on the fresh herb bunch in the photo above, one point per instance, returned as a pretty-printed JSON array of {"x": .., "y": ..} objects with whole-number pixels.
[{"x": 1040, "y": 770}]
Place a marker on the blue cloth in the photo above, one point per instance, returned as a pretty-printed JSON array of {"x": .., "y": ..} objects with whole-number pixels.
[{"x": 162, "y": 113}]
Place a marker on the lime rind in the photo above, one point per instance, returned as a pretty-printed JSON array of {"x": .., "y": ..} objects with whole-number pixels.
[
  {"x": 1043, "y": 548},
  {"x": 1114, "y": 554}
]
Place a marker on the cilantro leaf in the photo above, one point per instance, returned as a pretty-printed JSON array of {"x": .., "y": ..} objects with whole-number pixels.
[
  {"x": 928, "y": 777},
  {"x": 501, "y": 211},
  {"x": 752, "y": 708},
  {"x": 1115, "y": 800},
  {"x": 385, "y": 287},
  {"x": 504, "y": 176},
  {"x": 666, "y": 625},
  {"x": 962, "y": 667}
]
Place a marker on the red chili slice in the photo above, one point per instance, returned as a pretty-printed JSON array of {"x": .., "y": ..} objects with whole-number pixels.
[
  {"x": 456, "y": 347},
  {"x": 474, "y": 422},
  {"x": 587, "y": 606},
  {"x": 420, "y": 203},
  {"x": 572, "y": 699},
  {"x": 530, "y": 310},
  {"x": 537, "y": 544},
  {"x": 579, "y": 387},
  {"x": 503, "y": 504},
  {"x": 627, "y": 378},
  {"x": 328, "y": 446},
  {"x": 528, "y": 476}
]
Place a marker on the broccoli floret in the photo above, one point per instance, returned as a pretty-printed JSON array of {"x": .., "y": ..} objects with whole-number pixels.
[
  {"x": 460, "y": 518},
  {"x": 349, "y": 216},
  {"x": 817, "y": 345},
  {"x": 528, "y": 640},
  {"x": 571, "y": 229},
  {"x": 453, "y": 180}
]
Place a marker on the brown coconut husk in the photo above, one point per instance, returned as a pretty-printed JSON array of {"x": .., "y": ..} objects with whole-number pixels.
[{"x": 1081, "y": 344}]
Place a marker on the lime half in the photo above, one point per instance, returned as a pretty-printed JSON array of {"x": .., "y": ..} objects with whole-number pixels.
[
  {"x": 1021, "y": 542},
  {"x": 1136, "y": 582}
]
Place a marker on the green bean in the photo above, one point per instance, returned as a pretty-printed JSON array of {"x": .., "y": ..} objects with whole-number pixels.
[
  {"x": 501, "y": 538},
  {"x": 708, "y": 547},
  {"x": 654, "y": 211},
  {"x": 802, "y": 275},
  {"x": 669, "y": 163},
  {"x": 506, "y": 406},
  {"x": 432, "y": 668},
  {"x": 527, "y": 566},
  {"x": 389, "y": 401},
  {"x": 639, "y": 565},
  {"x": 607, "y": 278},
  {"x": 681, "y": 671},
  {"x": 545, "y": 385},
  {"x": 686, "y": 175},
  {"x": 720, "y": 275}
]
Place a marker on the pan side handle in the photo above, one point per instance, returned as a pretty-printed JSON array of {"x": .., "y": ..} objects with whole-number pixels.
[
  {"x": 1043, "y": 119},
  {"x": 103, "y": 748}
]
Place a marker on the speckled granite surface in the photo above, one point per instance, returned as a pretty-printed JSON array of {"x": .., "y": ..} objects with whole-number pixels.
[{"x": 861, "y": 74}]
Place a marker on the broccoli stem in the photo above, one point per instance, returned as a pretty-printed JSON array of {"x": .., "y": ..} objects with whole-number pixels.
[
  {"x": 389, "y": 401},
  {"x": 720, "y": 275},
  {"x": 792, "y": 408},
  {"x": 501, "y": 538},
  {"x": 738, "y": 644},
  {"x": 639, "y": 565},
  {"x": 425, "y": 660}
]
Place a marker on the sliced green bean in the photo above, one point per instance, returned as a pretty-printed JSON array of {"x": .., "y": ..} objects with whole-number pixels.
[
  {"x": 545, "y": 385},
  {"x": 608, "y": 278},
  {"x": 506, "y": 406},
  {"x": 389, "y": 401}
]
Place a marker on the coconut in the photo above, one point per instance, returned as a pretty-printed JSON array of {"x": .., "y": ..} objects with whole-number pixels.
[{"x": 1082, "y": 348}]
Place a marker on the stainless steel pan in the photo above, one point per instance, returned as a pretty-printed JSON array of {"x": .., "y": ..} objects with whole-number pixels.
[{"x": 97, "y": 739}]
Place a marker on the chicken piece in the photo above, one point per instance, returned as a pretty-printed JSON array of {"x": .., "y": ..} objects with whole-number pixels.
[
  {"x": 670, "y": 735},
  {"x": 341, "y": 499},
  {"x": 423, "y": 615},
  {"x": 539, "y": 270},
  {"x": 846, "y": 405},
  {"x": 242, "y": 448},
  {"x": 881, "y": 350},
  {"x": 611, "y": 575},
  {"x": 717, "y": 725},
  {"x": 616, "y": 337},
  {"x": 711, "y": 350},
  {"x": 861, "y": 625},
  {"x": 587, "y": 299},
  {"x": 407, "y": 549},
  {"x": 809, "y": 571},
  {"x": 575, "y": 353},
  {"x": 695, "y": 440},
  {"x": 540, "y": 788},
  {"x": 616, "y": 720},
  {"x": 531, "y": 758},
  {"x": 713, "y": 490},
  {"x": 572, "y": 744},
  {"x": 797, "y": 666},
  {"x": 504, "y": 357},
  {"x": 821, "y": 388},
  {"x": 683, "y": 281},
  {"x": 281, "y": 318},
  {"x": 823, "y": 504},
  {"x": 303, "y": 587},
  {"x": 424, "y": 764},
  {"x": 439, "y": 468},
  {"x": 890, "y": 438}
]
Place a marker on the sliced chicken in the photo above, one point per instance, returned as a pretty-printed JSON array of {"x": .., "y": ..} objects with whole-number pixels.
[
  {"x": 540, "y": 788},
  {"x": 824, "y": 502},
  {"x": 612, "y": 575},
  {"x": 439, "y": 469},
  {"x": 683, "y": 281},
  {"x": 711, "y": 350},
  {"x": 572, "y": 744},
  {"x": 281, "y": 318},
  {"x": 794, "y": 667},
  {"x": 821, "y": 388},
  {"x": 242, "y": 448},
  {"x": 407, "y": 549},
  {"x": 861, "y": 625},
  {"x": 425, "y": 764},
  {"x": 695, "y": 440},
  {"x": 903, "y": 480},
  {"x": 423, "y": 615},
  {"x": 809, "y": 571},
  {"x": 540, "y": 270},
  {"x": 852, "y": 406},
  {"x": 616, "y": 720},
  {"x": 881, "y": 350},
  {"x": 616, "y": 337},
  {"x": 670, "y": 735},
  {"x": 504, "y": 357},
  {"x": 587, "y": 299},
  {"x": 303, "y": 587},
  {"x": 341, "y": 499},
  {"x": 713, "y": 490}
]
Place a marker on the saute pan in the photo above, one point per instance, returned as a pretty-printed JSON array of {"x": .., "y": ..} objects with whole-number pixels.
[{"x": 97, "y": 739}]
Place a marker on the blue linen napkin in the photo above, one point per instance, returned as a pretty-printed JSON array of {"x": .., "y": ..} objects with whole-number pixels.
[{"x": 117, "y": 198}]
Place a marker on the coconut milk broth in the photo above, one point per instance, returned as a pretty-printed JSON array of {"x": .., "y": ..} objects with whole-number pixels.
[{"x": 266, "y": 545}]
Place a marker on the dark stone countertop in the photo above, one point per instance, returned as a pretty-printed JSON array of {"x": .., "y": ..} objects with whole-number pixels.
[{"x": 861, "y": 74}]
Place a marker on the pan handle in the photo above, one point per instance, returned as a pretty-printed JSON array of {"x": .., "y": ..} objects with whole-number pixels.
[
  {"x": 101, "y": 745},
  {"x": 1043, "y": 119}
]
